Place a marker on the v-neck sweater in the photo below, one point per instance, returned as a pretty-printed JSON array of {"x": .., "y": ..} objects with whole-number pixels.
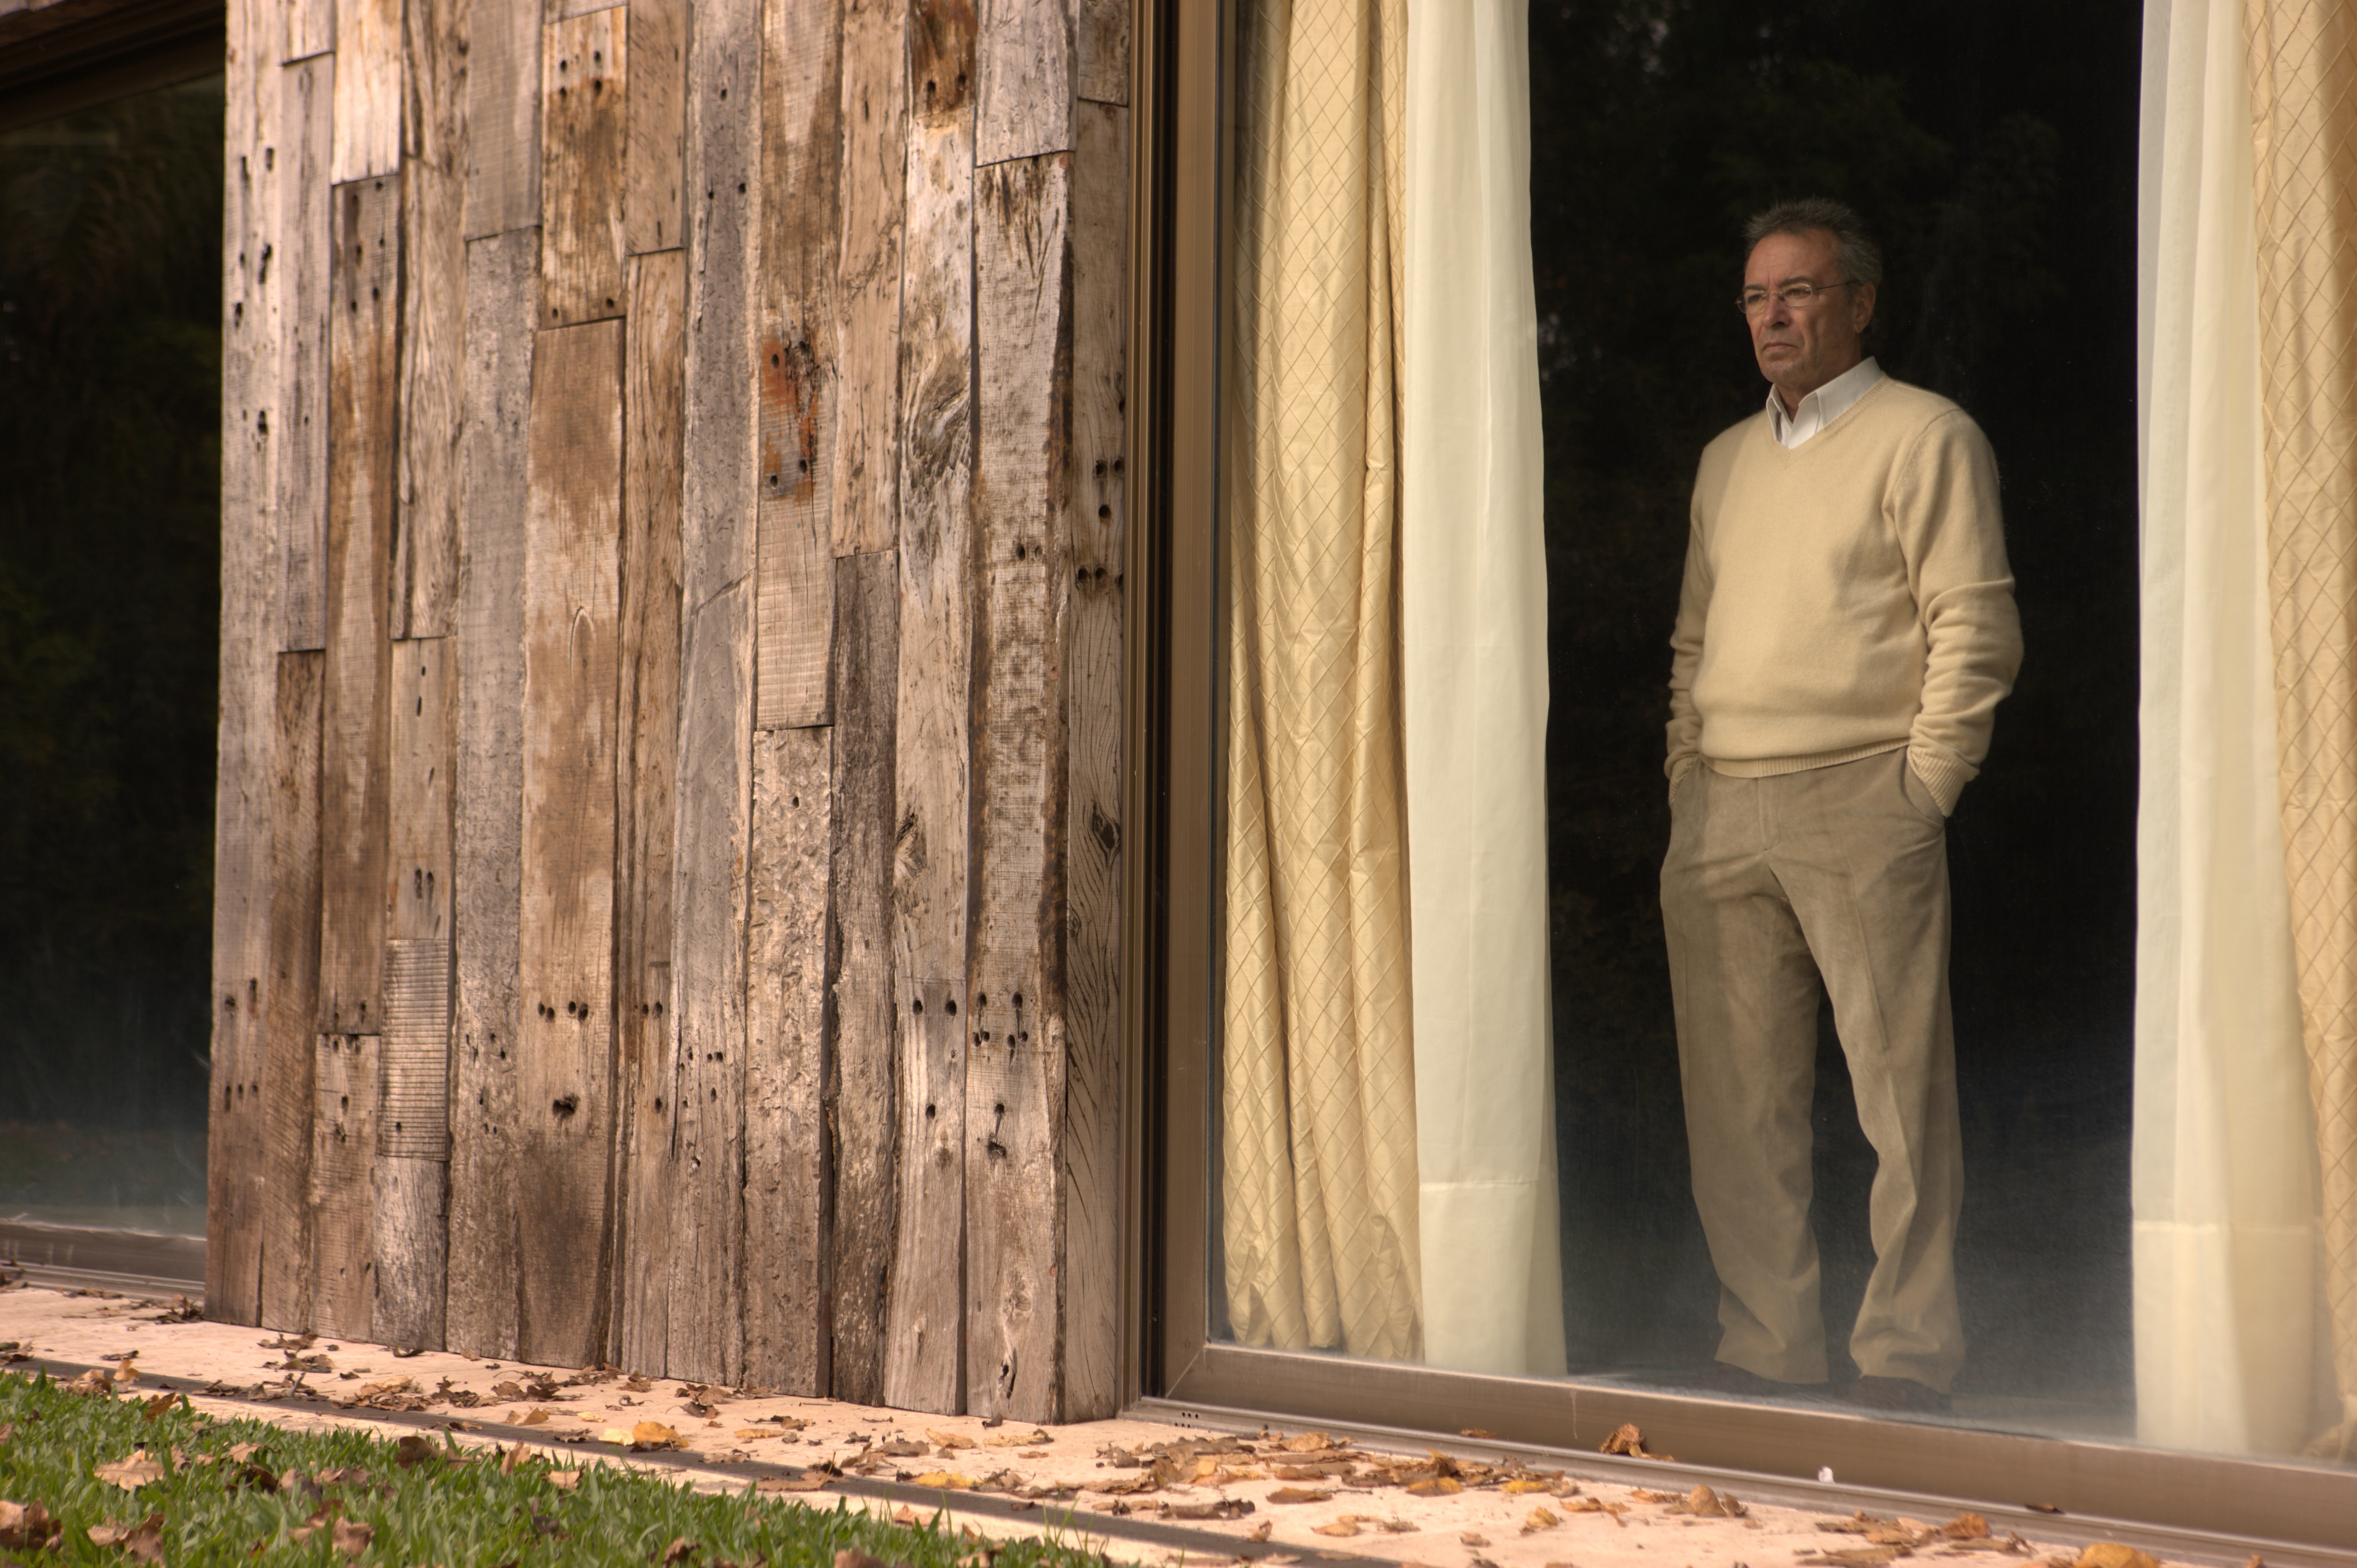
[{"x": 1845, "y": 597}]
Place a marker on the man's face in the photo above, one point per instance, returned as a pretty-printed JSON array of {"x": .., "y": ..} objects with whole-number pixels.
[{"x": 1801, "y": 350}]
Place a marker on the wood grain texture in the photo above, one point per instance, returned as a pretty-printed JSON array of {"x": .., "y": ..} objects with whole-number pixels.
[
  {"x": 236, "y": 1197},
  {"x": 1091, "y": 1148},
  {"x": 1016, "y": 1063},
  {"x": 502, "y": 292},
  {"x": 362, "y": 425},
  {"x": 802, "y": 151},
  {"x": 863, "y": 1082},
  {"x": 502, "y": 118},
  {"x": 343, "y": 1145},
  {"x": 292, "y": 1000},
  {"x": 557, "y": 10},
  {"x": 307, "y": 27},
  {"x": 368, "y": 89},
  {"x": 433, "y": 316},
  {"x": 584, "y": 143},
  {"x": 1022, "y": 91},
  {"x": 786, "y": 1249},
  {"x": 653, "y": 204},
  {"x": 646, "y": 751},
  {"x": 564, "y": 939},
  {"x": 924, "y": 1331},
  {"x": 302, "y": 257},
  {"x": 706, "y": 1329},
  {"x": 1101, "y": 50},
  {"x": 875, "y": 118},
  {"x": 923, "y": 1368}
]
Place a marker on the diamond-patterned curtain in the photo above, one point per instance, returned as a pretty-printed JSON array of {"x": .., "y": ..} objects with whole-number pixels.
[
  {"x": 1318, "y": 1189},
  {"x": 2302, "y": 60}
]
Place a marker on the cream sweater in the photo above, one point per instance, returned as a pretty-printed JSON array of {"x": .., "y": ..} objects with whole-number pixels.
[{"x": 1845, "y": 598}]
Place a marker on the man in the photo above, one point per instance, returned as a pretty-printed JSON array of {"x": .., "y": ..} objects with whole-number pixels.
[{"x": 1845, "y": 633}]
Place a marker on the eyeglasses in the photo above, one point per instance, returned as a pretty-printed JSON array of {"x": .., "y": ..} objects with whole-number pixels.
[{"x": 1793, "y": 296}]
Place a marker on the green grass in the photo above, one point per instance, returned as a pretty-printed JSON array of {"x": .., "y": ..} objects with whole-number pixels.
[{"x": 446, "y": 1506}]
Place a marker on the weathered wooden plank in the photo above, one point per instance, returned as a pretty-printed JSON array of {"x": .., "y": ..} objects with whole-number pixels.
[
  {"x": 362, "y": 421},
  {"x": 564, "y": 941},
  {"x": 862, "y": 1081},
  {"x": 922, "y": 1370},
  {"x": 1023, "y": 70},
  {"x": 558, "y": 10},
  {"x": 413, "y": 1129},
  {"x": 1022, "y": 507},
  {"x": 236, "y": 1197},
  {"x": 368, "y": 89},
  {"x": 705, "y": 1328},
  {"x": 303, "y": 256},
  {"x": 307, "y": 27},
  {"x": 1092, "y": 1171},
  {"x": 652, "y": 205},
  {"x": 585, "y": 137},
  {"x": 786, "y": 1252},
  {"x": 924, "y": 1333},
  {"x": 343, "y": 1142},
  {"x": 292, "y": 1001},
  {"x": 433, "y": 316},
  {"x": 502, "y": 119},
  {"x": 502, "y": 291},
  {"x": 874, "y": 192},
  {"x": 646, "y": 752},
  {"x": 1101, "y": 50},
  {"x": 801, "y": 167}
]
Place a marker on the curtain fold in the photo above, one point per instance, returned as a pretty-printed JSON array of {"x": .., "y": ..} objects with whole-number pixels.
[
  {"x": 2302, "y": 70},
  {"x": 1473, "y": 595},
  {"x": 2224, "y": 1173},
  {"x": 1319, "y": 1210}
]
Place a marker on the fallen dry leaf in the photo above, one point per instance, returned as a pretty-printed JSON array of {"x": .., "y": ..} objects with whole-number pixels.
[
  {"x": 809, "y": 1481},
  {"x": 564, "y": 1480},
  {"x": 649, "y": 1434},
  {"x": 754, "y": 1433},
  {"x": 905, "y": 1515},
  {"x": 1863, "y": 1556},
  {"x": 945, "y": 1480},
  {"x": 1016, "y": 1439},
  {"x": 156, "y": 1404},
  {"x": 1471, "y": 1538},
  {"x": 1307, "y": 1443},
  {"x": 351, "y": 1537},
  {"x": 1300, "y": 1495},
  {"x": 535, "y": 1417},
  {"x": 1218, "y": 1507},
  {"x": 143, "y": 1542},
  {"x": 680, "y": 1546},
  {"x": 1539, "y": 1519},
  {"x": 2114, "y": 1554},
  {"x": 1522, "y": 1485},
  {"x": 413, "y": 1450},
  {"x": 951, "y": 1439},
  {"x": 133, "y": 1473},
  {"x": 1965, "y": 1527},
  {"x": 1436, "y": 1487},
  {"x": 1260, "y": 1532},
  {"x": 27, "y": 1526},
  {"x": 1626, "y": 1439},
  {"x": 1346, "y": 1525}
]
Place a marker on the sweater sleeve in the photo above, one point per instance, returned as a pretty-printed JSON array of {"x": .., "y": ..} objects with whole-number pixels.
[
  {"x": 1944, "y": 507},
  {"x": 1685, "y": 653}
]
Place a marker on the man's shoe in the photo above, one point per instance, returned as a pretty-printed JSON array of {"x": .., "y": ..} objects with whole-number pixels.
[{"x": 1899, "y": 1396}]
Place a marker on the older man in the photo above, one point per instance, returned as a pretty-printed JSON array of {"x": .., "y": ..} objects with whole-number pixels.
[{"x": 1845, "y": 633}]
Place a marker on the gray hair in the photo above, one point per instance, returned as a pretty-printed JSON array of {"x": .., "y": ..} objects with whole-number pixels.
[{"x": 1854, "y": 251}]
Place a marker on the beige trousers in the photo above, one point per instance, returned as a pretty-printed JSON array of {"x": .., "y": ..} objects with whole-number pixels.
[{"x": 1842, "y": 872}]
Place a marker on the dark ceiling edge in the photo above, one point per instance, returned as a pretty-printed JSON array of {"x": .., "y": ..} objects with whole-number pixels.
[{"x": 92, "y": 57}]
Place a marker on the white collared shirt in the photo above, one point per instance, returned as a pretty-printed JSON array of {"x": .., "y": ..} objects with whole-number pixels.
[{"x": 1821, "y": 407}]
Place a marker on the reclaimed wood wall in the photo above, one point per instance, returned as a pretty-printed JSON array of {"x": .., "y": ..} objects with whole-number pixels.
[{"x": 668, "y": 888}]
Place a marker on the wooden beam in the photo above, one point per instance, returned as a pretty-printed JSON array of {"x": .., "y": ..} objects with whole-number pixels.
[
  {"x": 565, "y": 939},
  {"x": 1089, "y": 1273},
  {"x": 413, "y": 1129},
  {"x": 652, "y": 206},
  {"x": 307, "y": 27},
  {"x": 368, "y": 89},
  {"x": 705, "y": 1326},
  {"x": 1023, "y": 70},
  {"x": 874, "y": 119},
  {"x": 502, "y": 119},
  {"x": 802, "y": 165},
  {"x": 1101, "y": 50},
  {"x": 303, "y": 256},
  {"x": 584, "y": 135},
  {"x": 863, "y": 1088},
  {"x": 292, "y": 1000},
  {"x": 236, "y": 1195},
  {"x": 364, "y": 425},
  {"x": 786, "y": 1252},
  {"x": 1016, "y": 1062},
  {"x": 343, "y": 1143},
  {"x": 923, "y": 1366},
  {"x": 502, "y": 291},
  {"x": 433, "y": 318},
  {"x": 647, "y": 754}
]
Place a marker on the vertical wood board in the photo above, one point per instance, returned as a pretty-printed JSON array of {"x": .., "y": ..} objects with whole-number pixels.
[
  {"x": 866, "y": 473},
  {"x": 924, "y": 1333},
  {"x": 433, "y": 315},
  {"x": 651, "y": 203},
  {"x": 307, "y": 27},
  {"x": 1100, "y": 50},
  {"x": 585, "y": 136},
  {"x": 292, "y": 998},
  {"x": 1022, "y": 91},
  {"x": 502, "y": 118},
  {"x": 368, "y": 89},
  {"x": 303, "y": 258},
  {"x": 343, "y": 1142}
]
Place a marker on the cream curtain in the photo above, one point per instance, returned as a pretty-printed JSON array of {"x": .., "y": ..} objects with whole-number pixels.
[
  {"x": 2303, "y": 64},
  {"x": 1473, "y": 592},
  {"x": 1318, "y": 1131},
  {"x": 2224, "y": 1180}
]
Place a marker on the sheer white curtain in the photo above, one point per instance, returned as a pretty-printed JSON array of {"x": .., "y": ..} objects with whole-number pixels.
[
  {"x": 2226, "y": 1185},
  {"x": 1473, "y": 603}
]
